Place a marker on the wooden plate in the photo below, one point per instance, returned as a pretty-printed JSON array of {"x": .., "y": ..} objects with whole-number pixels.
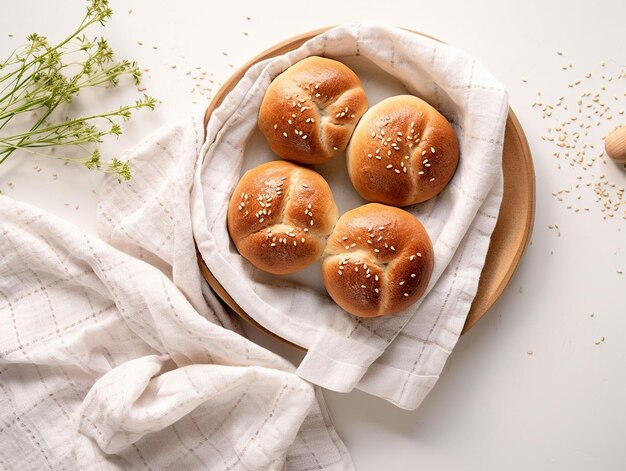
[{"x": 515, "y": 220}]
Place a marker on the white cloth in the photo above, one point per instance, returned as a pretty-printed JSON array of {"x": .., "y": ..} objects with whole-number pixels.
[
  {"x": 105, "y": 365},
  {"x": 398, "y": 358}
]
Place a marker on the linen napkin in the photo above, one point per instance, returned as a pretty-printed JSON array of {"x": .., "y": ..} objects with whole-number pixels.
[
  {"x": 173, "y": 202},
  {"x": 400, "y": 357},
  {"x": 104, "y": 364}
]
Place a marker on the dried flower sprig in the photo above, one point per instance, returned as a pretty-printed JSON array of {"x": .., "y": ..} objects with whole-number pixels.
[{"x": 39, "y": 77}]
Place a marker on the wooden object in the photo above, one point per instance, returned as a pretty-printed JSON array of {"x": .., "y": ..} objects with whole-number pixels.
[
  {"x": 615, "y": 145},
  {"x": 515, "y": 220}
]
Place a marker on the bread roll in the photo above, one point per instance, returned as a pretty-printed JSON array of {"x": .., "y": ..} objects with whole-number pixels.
[
  {"x": 310, "y": 110},
  {"x": 403, "y": 152},
  {"x": 280, "y": 216},
  {"x": 378, "y": 261}
]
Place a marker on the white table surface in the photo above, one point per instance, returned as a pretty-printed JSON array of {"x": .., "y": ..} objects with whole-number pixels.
[{"x": 532, "y": 386}]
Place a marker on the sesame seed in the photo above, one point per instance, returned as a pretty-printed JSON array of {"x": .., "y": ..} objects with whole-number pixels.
[
  {"x": 406, "y": 294},
  {"x": 389, "y": 166},
  {"x": 396, "y": 170},
  {"x": 353, "y": 244},
  {"x": 418, "y": 254},
  {"x": 393, "y": 248},
  {"x": 376, "y": 250},
  {"x": 423, "y": 152},
  {"x": 363, "y": 286},
  {"x": 432, "y": 179},
  {"x": 273, "y": 244},
  {"x": 311, "y": 221},
  {"x": 285, "y": 134},
  {"x": 432, "y": 150},
  {"x": 356, "y": 269},
  {"x": 412, "y": 257},
  {"x": 380, "y": 228},
  {"x": 376, "y": 290},
  {"x": 401, "y": 283},
  {"x": 340, "y": 272},
  {"x": 376, "y": 277}
]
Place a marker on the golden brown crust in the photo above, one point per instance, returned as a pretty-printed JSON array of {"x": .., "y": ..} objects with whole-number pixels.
[
  {"x": 309, "y": 111},
  {"x": 403, "y": 152},
  {"x": 378, "y": 261},
  {"x": 280, "y": 215}
]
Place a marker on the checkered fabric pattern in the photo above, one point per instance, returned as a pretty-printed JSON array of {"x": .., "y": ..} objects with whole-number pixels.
[{"x": 105, "y": 364}]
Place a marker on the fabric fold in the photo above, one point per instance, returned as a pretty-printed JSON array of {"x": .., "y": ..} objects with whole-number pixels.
[
  {"x": 105, "y": 364},
  {"x": 459, "y": 221}
]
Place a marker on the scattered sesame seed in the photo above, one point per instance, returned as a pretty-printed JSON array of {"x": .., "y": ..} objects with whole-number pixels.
[{"x": 406, "y": 294}]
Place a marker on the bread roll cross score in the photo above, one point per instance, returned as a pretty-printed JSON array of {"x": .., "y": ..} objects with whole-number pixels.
[
  {"x": 378, "y": 261},
  {"x": 309, "y": 111},
  {"x": 280, "y": 216},
  {"x": 402, "y": 152}
]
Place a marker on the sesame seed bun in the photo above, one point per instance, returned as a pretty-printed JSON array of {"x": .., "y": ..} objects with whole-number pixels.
[
  {"x": 378, "y": 261},
  {"x": 403, "y": 152},
  {"x": 309, "y": 111},
  {"x": 280, "y": 215}
]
